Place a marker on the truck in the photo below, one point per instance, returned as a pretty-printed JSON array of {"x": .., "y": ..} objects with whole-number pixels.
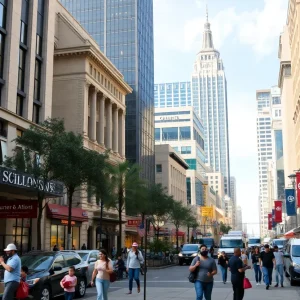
[
  {"x": 253, "y": 242},
  {"x": 234, "y": 239}
]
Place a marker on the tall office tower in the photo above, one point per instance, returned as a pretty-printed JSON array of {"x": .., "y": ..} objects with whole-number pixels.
[
  {"x": 124, "y": 32},
  {"x": 207, "y": 92},
  {"x": 233, "y": 197},
  {"x": 265, "y": 101}
]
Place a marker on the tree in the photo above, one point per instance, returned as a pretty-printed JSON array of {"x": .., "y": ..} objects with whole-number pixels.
[
  {"x": 71, "y": 164},
  {"x": 191, "y": 222},
  {"x": 178, "y": 216},
  {"x": 224, "y": 228},
  {"x": 32, "y": 155},
  {"x": 125, "y": 183}
]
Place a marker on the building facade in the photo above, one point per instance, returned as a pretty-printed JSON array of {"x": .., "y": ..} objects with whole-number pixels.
[
  {"x": 239, "y": 218},
  {"x": 124, "y": 32},
  {"x": 268, "y": 111},
  {"x": 207, "y": 93},
  {"x": 233, "y": 197}
]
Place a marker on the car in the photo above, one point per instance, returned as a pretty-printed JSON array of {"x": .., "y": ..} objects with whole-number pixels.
[
  {"x": 292, "y": 260},
  {"x": 188, "y": 253},
  {"x": 47, "y": 269},
  {"x": 280, "y": 243},
  {"x": 90, "y": 257}
]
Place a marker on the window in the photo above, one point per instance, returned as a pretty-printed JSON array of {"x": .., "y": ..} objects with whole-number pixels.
[
  {"x": 21, "y": 74},
  {"x": 71, "y": 260},
  {"x": 185, "y": 133},
  {"x": 36, "y": 113},
  {"x": 158, "y": 168},
  {"x": 3, "y": 151},
  {"x": 186, "y": 150},
  {"x": 37, "y": 80},
  {"x": 170, "y": 134},
  {"x": 24, "y": 22},
  {"x": 157, "y": 134},
  {"x": 59, "y": 262},
  {"x": 19, "y": 106}
]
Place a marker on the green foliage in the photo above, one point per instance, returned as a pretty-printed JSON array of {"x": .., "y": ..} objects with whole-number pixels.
[
  {"x": 159, "y": 246},
  {"x": 224, "y": 228}
]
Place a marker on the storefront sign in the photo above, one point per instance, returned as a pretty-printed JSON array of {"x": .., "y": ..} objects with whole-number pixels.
[
  {"x": 133, "y": 223},
  {"x": 27, "y": 181},
  {"x": 18, "y": 209},
  {"x": 206, "y": 211},
  {"x": 65, "y": 222}
]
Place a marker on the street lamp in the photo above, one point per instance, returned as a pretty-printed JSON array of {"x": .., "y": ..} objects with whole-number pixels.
[{"x": 292, "y": 177}]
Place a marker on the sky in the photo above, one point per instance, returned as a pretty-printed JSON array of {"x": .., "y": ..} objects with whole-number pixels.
[{"x": 246, "y": 33}]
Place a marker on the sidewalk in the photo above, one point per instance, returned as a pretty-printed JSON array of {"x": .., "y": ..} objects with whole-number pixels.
[{"x": 220, "y": 293}]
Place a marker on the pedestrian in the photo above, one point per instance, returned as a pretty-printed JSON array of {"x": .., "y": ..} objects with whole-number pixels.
[
  {"x": 237, "y": 269},
  {"x": 244, "y": 257},
  {"x": 55, "y": 248},
  {"x": 83, "y": 247},
  {"x": 103, "y": 268},
  {"x": 113, "y": 252},
  {"x": 68, "y": 283},
  {"x": 223, "y": 262},
  {"x": 206, "y": 268},
  {"x": 12, "y": 272},
  {"x": 134, "y": 260},
  {"x": 124, "y": 252},
  {"x": 267, "y": 262},
  {"x": 256, "y": 265},
  {"x": 120, "y": 265},
  {"x": 211, "y": 251},
  {"x": 279, "y": 265},
  {"x": 73, "y": 247},
  {"x": 24, "y": 273}
]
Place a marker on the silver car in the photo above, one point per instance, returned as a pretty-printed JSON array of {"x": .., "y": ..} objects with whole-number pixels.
[{"x": 90, "y": 257}]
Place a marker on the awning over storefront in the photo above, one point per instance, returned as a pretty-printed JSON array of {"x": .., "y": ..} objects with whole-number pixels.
[
  {"x": 290, "y": 234},
  {"x": 56, "y": 211}
]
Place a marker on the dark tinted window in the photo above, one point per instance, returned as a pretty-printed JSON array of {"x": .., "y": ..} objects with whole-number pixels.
[
  {"x": 59, "y": 262},
  {"x": 37, "y": 262},
  {"x": 72, "y": 260},
  {"x": 296, "y": 250},
  {"x": 84, "y": 256}
]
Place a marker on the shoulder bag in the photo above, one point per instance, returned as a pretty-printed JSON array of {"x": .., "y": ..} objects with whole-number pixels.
[
  {"x": 193, "y": 275},
  {"x": 247, "y": 283}
]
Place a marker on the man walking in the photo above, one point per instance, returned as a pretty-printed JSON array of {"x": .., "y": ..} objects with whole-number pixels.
[
  {"x": 12, "y": 272},
  {"x": 267, "y": 262},
  {"x": 237, "y": 269},
  {"x": 279, "y": 265}
]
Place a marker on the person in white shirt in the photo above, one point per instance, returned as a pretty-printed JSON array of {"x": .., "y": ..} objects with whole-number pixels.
[{"x": 279, "y": 266}]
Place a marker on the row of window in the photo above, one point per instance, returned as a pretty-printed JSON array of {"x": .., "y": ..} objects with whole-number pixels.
[{"x": 173, "y": 133}]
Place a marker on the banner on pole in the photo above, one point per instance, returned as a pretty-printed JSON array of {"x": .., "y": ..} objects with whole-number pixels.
[
  {"x": 270, "y": 221},
  {"x": 278, "y": 211},
  {"x": 298, "y": 188},
  {"x": 290, "y": 202}
]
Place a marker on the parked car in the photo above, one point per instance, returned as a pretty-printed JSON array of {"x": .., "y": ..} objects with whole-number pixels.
[
  {"x": 280, "y": 243},
  {"x": 90, "y": 257},
  {"x": 292, "y": 260},
  {"x": 188, "y": 253},
  {"x": 47, "y": 269}
]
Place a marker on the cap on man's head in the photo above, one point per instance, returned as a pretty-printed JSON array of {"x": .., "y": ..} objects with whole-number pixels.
[{"x": 11, "y": 247}]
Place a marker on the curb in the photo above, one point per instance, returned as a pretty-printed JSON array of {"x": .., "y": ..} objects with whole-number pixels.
[{"x": 161, "y": 267}]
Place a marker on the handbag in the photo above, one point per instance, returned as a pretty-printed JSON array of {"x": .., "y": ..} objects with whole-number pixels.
[
  {"x": 247, "y": 283},
  {"x": 193, "y": 275},
  {"x": 23, "y": 290},
  {"x": 112, "y": 277}
]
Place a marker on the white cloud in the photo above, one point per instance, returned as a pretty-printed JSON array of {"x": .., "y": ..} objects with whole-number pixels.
[{"x": 257, "y": 28}]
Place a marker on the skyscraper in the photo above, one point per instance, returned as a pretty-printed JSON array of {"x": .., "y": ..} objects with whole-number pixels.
[
  {"x": 124, "y": 32},
  {"x": 268, "y": 112},
  {"x": 207, "y": 92}
]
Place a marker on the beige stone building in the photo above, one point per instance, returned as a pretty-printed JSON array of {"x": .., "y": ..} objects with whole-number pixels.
[
  {"x": 57, "y": 60},
  {"x": 170, "y": 172}
]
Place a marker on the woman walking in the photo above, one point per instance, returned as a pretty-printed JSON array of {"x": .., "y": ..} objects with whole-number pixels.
[
  {"x": 134, "y": 261},
  {"x": 103, "y": 268},
  {"x": 205, "y": 268},
  {"x": 223, "y": 262},
  {"x": 255, "y": 262}
]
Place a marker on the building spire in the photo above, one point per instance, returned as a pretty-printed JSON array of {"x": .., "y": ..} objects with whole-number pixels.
[{"x": 207, "y": 35}]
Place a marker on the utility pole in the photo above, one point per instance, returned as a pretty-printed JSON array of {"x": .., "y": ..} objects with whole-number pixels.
[{"x": 147, "y": 229}]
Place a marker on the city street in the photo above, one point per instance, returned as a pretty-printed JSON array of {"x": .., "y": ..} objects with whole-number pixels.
[{"x": 172, "y": 283}]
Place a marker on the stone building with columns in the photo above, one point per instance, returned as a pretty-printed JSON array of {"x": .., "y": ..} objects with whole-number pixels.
[{"x": 89, "y": 94}]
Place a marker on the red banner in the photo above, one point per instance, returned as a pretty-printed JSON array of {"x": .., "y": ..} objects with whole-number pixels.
[
  {"x": 298, "y": 188},
  {"x": 270, "y": 221},
  {"x": 18, "y": 209},
  {"x": 278, "y": 211}
]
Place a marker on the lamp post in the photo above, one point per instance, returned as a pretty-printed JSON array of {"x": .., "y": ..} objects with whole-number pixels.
[{"x": 292, "y": 177}]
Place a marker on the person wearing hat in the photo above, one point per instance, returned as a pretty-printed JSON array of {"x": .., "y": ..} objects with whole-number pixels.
[
  {"x": 134, "y": 261},
  {"x": 12, "y": 272}
]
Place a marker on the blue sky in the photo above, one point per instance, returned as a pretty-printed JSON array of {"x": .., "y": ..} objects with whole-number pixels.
[{"x": 246, "y": 32}]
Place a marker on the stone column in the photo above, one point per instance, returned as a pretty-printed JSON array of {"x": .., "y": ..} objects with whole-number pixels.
[
  {"x": 116, "y": 130},
  {"x": 108, "y": 125},
  {"x": 122, "y": 133},
  {"x": 120, "y": 125},
  {"x": 86, "y": 108},
  {"x": 93, "y": 114},
  {"x": 101, "y": 120}
]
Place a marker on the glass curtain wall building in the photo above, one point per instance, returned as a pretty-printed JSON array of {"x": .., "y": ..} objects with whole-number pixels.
[
  {"x": 207, "y": 93},
  {"x": 124, "y": 32}
]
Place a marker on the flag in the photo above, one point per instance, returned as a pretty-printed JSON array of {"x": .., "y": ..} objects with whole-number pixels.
[
  {"x": 270, "y": 220},
  {"x": 141, "y": 230},
  {"x": 278, "y": 211},
  {"x": 298, "y": 188},
  {"x": 290, "y": 202},
  {"x": 273, "y": 218}
]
